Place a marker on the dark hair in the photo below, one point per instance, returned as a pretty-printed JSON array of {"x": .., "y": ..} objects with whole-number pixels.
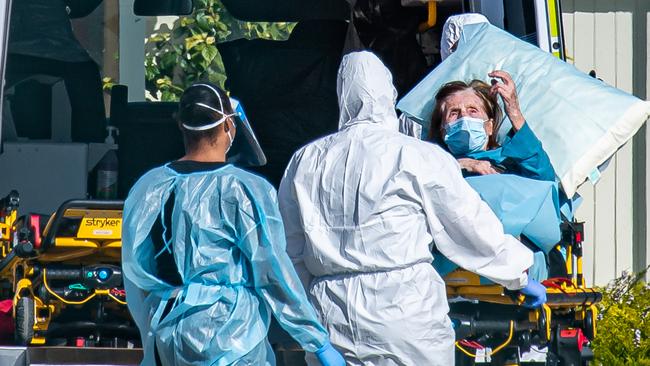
[
  {"x": 192, "y": 114},
  {"x": 490, "y": 104}
]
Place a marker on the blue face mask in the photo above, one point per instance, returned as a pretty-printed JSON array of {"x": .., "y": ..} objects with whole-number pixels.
[{"x": 465, "y": 135}]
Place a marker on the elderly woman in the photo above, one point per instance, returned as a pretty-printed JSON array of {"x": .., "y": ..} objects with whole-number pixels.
[{"x": 466, "y": 119}]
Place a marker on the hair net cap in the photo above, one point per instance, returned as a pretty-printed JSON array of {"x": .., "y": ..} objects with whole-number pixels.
[
  {"x": 580, "y": 120},
  {"x": 454, "y": 27}
]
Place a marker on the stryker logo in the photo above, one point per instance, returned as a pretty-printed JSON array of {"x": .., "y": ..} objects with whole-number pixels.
[{"x": 102, "y": 223}]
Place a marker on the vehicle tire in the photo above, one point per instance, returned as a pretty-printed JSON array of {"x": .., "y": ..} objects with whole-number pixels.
[{"x": 24, "y": 321}]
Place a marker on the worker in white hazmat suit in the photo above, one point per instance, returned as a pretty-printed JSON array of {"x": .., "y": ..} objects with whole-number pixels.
[{"x": 362, "y": 209}]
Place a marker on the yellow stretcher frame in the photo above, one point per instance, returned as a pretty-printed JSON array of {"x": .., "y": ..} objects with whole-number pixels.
[
  {"x": 93, "y": 243},
  {"x": 565, "y": 297}
]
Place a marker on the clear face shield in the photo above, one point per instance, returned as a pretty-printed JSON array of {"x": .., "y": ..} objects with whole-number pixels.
[{"x": 244, "y": 149}]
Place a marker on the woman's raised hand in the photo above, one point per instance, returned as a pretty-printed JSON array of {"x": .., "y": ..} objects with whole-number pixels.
[{"x": 508, "y": 92}]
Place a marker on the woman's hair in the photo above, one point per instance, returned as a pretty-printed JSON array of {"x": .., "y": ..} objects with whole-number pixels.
[
  {"x": 490, "y": 105},
  {"x": 191, "y": 113}
]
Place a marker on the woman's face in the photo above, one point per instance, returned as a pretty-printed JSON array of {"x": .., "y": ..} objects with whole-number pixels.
[{"x": 464, "y": 104}]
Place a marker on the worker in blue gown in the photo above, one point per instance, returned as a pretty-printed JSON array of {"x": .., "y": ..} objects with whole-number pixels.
[
  {"x": 204, "y": 253},
  {"x": 466, "y": 119}
]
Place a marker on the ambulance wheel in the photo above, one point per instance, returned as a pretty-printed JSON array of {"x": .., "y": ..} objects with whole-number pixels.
[{"x": 24, "y": 321}]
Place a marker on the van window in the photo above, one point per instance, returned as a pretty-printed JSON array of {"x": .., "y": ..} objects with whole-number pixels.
[{"x": 519, "y": 19}]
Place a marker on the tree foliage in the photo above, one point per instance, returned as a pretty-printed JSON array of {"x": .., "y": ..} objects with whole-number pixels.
[{"x": 188, "y": 52}]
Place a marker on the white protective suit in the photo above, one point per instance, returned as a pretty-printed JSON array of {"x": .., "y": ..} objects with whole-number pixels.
[{"x": 362, "y": 209}]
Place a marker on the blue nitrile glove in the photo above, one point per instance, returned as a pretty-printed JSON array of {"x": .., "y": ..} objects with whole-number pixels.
[
  {"x": 535, "y": 294},
  {"x": 328, "y": 356}
]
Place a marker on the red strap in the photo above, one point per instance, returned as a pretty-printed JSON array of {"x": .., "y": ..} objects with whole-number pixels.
[
  {"x": 6, "y": 306},
  {"x": 471, "y": 344},
  {"x": 557, "y": 283},
  {"x": 35, "y": 223}
]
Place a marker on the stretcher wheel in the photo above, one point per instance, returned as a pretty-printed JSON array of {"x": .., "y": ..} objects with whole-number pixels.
[
  {"x": 24, "y": 321},
  {"x": 542, "y": 325},
  {"x": 589, "y": 325},
  {"x": 524, "y": 341}
]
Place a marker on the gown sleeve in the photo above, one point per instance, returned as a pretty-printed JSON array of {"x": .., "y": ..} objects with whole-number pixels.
[
  {"x": 262, "y": 241},
  {"x": 525, "y": 149}
]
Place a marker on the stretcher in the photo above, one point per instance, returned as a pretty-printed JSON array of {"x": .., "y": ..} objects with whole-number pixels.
[
  {"x": 63, "y": 273},
  {"x": 493, "y": 326}
]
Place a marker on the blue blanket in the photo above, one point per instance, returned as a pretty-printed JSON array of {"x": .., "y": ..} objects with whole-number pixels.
[{"x": 525, "y": 207}]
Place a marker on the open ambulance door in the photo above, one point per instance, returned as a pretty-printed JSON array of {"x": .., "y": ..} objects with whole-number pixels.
[{"x": 549, "y": 27}]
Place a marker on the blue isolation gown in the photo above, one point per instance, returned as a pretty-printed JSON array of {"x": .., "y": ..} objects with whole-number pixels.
[
  {"x": 521, "y": 154},
  {"x": 229, "y": 247}
]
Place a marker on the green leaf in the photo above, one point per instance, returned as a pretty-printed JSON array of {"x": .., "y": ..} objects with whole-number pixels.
[
  {"x": 168, "y": 60},
  {"x": 209, "y": 53},
  {"x": 222, "y": 26},
  {"x": 168, "y": 96},
  {"x": 180, "y": 32},
  {"x": 204, "y": 23},
  {"x": 193, "y": 41}
]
